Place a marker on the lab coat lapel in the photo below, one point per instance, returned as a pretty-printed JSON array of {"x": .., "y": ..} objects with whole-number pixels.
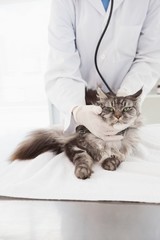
[
  {"x": 117, "y": 4},
  {"x": 97, "y": 4}
]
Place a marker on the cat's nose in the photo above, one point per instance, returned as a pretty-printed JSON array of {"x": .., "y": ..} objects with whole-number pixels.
[{"x": 117, "y": 114}]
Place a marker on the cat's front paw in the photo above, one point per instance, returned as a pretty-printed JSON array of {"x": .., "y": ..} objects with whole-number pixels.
[
  {"x": 111, "y": 163},
  {"x": 83, "y": 171}
]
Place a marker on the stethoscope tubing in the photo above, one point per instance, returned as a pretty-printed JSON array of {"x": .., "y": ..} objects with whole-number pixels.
[{"x": 98, "y": 46}]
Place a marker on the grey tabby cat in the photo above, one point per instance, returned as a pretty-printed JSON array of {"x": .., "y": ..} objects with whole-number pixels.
[{"x": 82, "y": 147}]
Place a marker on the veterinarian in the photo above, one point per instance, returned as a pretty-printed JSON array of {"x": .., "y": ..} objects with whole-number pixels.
[{"x": 128, "y": 57}]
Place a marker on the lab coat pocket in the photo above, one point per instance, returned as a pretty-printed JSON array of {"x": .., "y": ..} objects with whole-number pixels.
[{"x": 127, "y": 40}]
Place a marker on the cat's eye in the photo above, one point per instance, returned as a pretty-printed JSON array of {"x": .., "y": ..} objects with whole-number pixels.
[
  {"x": 109, "y": 109},
  {"x": 126, "y": 109}
]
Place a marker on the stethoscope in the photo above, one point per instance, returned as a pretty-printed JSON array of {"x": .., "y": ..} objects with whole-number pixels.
[{"x": 98, "y": 45}]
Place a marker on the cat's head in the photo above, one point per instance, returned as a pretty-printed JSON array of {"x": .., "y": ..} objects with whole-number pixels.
[{"x": 119, "y": 109}]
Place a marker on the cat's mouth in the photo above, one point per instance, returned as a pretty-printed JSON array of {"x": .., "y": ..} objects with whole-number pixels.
[{"x": 118, "y": 121}]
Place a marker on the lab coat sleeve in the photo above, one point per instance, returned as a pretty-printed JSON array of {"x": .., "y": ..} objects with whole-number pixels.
[
  {"x": 145, "y": 70},
  {"x": 65, "y": 87}
]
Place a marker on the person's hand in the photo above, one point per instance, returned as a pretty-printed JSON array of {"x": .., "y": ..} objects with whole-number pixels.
[{"x": 88, "y": 116}]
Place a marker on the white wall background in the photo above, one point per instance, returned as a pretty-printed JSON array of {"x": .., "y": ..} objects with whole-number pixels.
[{"x": 23, "y": 58}]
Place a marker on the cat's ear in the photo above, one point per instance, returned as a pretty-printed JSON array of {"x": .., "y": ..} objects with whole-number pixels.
[
  {"x": 101, "y": 94},
  {"x": 136, "y": 95}
]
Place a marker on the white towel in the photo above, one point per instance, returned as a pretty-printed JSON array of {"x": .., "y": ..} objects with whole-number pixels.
[{"x": 52, "y": 177}]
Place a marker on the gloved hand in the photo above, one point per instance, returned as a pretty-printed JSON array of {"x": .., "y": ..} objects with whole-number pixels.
[{"x": 88, "y": 116}]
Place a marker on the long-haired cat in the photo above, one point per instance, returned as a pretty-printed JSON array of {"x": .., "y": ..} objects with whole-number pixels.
[{"x": 82, "y": 147}]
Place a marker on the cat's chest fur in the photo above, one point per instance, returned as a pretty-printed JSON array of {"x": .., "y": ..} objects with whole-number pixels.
[
  {"x": 98, "y": 148},
  {"x": 101, "y": 144}
]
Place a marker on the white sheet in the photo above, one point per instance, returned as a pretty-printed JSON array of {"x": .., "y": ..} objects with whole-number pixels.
[{"x": 52, "y": 177}]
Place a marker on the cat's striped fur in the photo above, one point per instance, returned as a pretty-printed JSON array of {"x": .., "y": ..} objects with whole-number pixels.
[{"x": 82, "y": 147}]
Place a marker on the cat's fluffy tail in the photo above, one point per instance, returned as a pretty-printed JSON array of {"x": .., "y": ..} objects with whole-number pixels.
[{"x": 40, "y": 141}]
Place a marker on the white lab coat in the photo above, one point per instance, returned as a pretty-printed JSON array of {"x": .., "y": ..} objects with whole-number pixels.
[{"x": 128, "y": 58}]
